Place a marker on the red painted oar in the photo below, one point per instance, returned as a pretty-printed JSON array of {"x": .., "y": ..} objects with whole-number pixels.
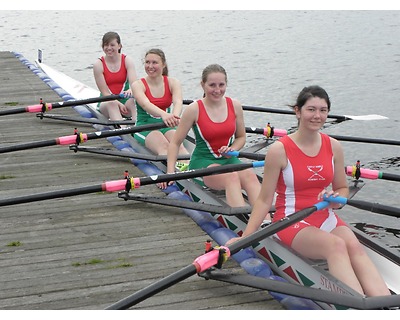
[
  {"x": 78, "y": 138},
  {"x": 42, "y": 107}
]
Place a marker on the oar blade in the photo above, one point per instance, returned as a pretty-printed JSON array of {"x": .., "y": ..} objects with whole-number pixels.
[{"x": 367, "y": 117}]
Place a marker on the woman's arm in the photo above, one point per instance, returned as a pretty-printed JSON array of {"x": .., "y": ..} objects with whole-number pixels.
[
  {"x": 189, "y": 117},
  {"x": 177, "y": 100},
  {"x": 99, "y": 78},
  {"x": 275, "y": 162},
  {"x": 339, "y": 183},
  {"x": 139, "y": 90},
  {"x": 240, "y": 134},
  {"x": 131, "y": 71}
]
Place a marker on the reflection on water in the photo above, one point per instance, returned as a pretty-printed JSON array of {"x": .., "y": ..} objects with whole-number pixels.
[
  {"x": 391, "y": 162},
  {"x": 390, "y": 236}
]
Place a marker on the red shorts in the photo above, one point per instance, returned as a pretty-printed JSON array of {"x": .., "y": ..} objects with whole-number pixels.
[{"x": 326, "y": 222}]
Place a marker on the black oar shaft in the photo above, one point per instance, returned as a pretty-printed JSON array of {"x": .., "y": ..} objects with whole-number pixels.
[
  {"x": 86, "y": 101},
  {"x": 48, "y": 106},
  {"x": 278, "y": 111},
  {"x": 28, "y": 145},
  {"x": 127, "y": 184},
  {"x": 390, "y": 176},
  {"x": 375, "y": 207},
  {"x": 365, "y": 205},
  {"x": 247, "y": 155},
  {"x": 281, "y": 132},
  {"x": 366, "y": 140},
  {"x": 154, "y": 288},
  {"x": 126, "y": 154},
  {"x": 72, "y": 139},
  {"x": 197, "y": 173},
  {"x": 52, "y": 195}
]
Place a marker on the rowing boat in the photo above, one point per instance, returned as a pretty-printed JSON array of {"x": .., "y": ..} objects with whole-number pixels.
[{"x": 268, "y": 258}]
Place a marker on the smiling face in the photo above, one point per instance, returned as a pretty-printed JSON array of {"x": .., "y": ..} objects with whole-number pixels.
[
  {"x": 153, "y": 65},
  {"x": 111, "y": 43},
  {"x": 313, "y": 113},
  {"x": 215, "y": 85}
]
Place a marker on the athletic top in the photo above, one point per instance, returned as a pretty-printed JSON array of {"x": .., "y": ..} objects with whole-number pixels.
[
  {"x": 163, "y": 102},
  {"x": 303, "y": 178},
  {"x": 116, "y": 81},
  {"x": 210, "y": 136}
]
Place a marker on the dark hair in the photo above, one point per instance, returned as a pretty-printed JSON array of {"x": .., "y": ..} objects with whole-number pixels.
[
  {"x": 213, "y": 68},
  {"x": 161, "y": 54},
  {"x": 108, "y": 37},
  {"x": 310, "y": 92}
]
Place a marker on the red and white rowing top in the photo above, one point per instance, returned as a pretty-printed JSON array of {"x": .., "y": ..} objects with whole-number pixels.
[{"x": 303, "y": 178}]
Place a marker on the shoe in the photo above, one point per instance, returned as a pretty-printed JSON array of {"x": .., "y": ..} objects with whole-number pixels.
[
  {"x": 182, "y": 166},
  {"x": 266, "y": 223}
]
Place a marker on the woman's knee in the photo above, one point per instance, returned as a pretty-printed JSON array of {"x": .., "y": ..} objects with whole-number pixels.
[{"x": 337, "y": 245}]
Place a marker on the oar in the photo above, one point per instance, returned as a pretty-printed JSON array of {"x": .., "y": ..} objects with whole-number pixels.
[
  {"x": 126, "y": 154},
  {"x": 81, "y": 137},
  {"x": 85, "y": 120},
  {"x": 352, "y": 171},
  {"x": 185, "y": 204},
  {"x": 131, "y": 183},
  {"x": 212, "y": 258},
  {"x": 315, "y": 294},
  {"x": 365, "y": 205},
  {"x": 332, "y": 116},
  {"x": 247, "y": 155},
  {"x": 42, "y": 107},
  {"x": 357, "y": 172},
  {"x": 270, "y": 132}
]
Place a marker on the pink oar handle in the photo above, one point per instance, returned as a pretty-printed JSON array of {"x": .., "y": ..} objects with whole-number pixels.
[
  {"x": 277, "y": 132},
  {"x": 209, "y": 259},
  {"x": 365, "y": 173},
  {"x": 38, "y": 107},
  {"x": 71, "y": 139},
  {"x": 119, "y": 185},
  {"x": 280, "y": 132}
]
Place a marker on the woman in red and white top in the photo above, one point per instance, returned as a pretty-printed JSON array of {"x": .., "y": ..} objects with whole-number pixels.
[
  {"x": 218, "y": 124},
  {"x": 113, "y": 73},
  {"x": 300, "y": 168}
]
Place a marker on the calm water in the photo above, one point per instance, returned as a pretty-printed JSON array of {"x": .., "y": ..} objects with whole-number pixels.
[{"x": 269, "y": 56}]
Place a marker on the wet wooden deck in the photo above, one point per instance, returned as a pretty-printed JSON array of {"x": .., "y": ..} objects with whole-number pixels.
[{"x": 89, "y": 251}]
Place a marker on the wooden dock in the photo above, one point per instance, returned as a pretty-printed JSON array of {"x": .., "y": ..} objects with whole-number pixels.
[{"x": 87, "y": 252}]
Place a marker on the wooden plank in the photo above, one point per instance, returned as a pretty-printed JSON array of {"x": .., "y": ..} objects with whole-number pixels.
[{"x": 89, "y": 251}]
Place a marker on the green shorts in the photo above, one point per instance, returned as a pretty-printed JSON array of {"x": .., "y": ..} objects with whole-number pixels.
[
  {"x": 123, "y": 101},
  {"x": 141, "y": 136},
  {"x": 197, "y": 162}
]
